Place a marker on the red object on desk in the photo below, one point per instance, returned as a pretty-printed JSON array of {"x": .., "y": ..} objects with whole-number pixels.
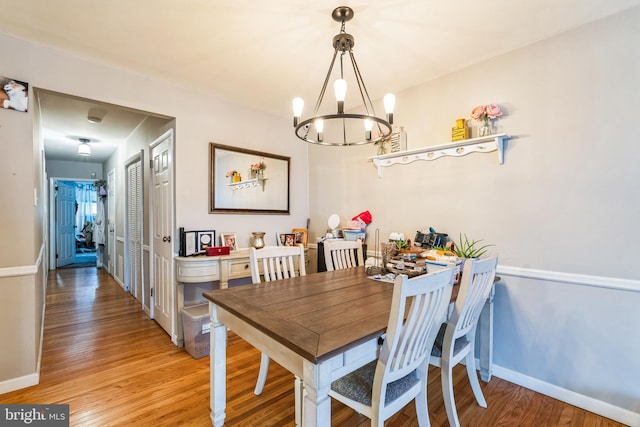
[{"x": 218, "y": 250}]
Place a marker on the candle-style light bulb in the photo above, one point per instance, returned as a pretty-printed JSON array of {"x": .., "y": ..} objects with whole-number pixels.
[
  {"x": 319, "y": 128},
  {"x": 389, "y": 105},
  {"x": 368, "y": 125},
  {"x": 298, "y": 104},
  {"x": 340, "y": 89}
]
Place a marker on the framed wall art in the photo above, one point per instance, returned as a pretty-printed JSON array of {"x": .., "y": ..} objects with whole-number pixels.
[
  {"x": 247, "y": 181},
  {"x": 14, "y": 94}
]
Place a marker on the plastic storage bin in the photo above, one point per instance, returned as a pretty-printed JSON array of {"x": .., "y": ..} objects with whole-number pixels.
[{"x": 197, "y": 326}]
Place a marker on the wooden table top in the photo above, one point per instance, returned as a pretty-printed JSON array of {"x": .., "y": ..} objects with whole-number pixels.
[{"x": 318, "y": 315}]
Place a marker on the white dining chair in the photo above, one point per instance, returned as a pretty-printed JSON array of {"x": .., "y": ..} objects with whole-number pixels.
[
  {"x": 399, "y": 375},
  {"x": 268, "y": 264},
  {"x": 457, "y": 336},
  {"x": 339, "y": 254}
]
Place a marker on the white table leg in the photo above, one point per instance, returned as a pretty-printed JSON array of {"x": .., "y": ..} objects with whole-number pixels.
[
  {"x": 316, "y": 410},
  {"x": 217, "y": 368}
]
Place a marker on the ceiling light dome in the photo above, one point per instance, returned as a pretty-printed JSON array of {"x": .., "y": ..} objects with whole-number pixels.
[{"x": 84, "y": 149}]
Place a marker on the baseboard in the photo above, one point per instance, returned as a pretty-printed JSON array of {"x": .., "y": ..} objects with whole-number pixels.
[
  {"x": 590, "y": 404},
  {"x": 18, "y": 383},
  {"x": 119, "y": 282}
]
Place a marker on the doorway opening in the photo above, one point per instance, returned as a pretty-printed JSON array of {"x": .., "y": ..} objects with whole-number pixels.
[{"x": 76, "y": 209}]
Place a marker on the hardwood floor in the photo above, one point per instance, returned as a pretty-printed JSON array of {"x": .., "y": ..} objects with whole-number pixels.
[{"x": 115, "y": 367}]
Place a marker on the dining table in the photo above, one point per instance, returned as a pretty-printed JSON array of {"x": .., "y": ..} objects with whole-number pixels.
[{"x": 319, "y": 327}]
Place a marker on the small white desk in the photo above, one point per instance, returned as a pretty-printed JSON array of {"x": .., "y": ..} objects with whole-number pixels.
[{"x": 202, "y": 268}]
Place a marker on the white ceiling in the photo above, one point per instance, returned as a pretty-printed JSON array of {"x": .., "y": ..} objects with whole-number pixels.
[{"x": 263, "y": 53}]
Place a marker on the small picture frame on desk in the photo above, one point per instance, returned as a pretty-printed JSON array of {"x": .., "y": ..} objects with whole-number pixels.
[
  {"x": 205, "y": 239},
  {"x": 300, "y": 236},
  {"x": 289, "y": 239},
  {"x": 188, "y": 243},
  {"x": 229, "y": 239}
]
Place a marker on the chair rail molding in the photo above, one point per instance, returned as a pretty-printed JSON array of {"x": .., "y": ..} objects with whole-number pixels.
[{"x": 484, "y": 144}]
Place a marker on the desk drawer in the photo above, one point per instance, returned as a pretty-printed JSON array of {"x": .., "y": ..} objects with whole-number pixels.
[
  {"x": 238, "y": 268},
  {"x": 197, "y": 271}
]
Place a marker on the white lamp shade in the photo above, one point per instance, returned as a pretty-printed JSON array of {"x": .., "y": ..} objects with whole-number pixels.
[{"x": 84, "y": 149}]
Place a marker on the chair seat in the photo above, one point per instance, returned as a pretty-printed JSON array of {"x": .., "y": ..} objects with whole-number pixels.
[
  {"x": 437, "y": 345},
  {"x": 358, "y": 385}
]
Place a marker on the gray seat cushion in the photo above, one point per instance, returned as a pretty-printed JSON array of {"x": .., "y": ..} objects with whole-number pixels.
[
  {"x": 358, "y": 385},
  {"x": 437, "y": 346}
]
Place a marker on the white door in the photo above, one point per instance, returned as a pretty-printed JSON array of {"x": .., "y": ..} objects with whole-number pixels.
[
  {"x": 65, "y": 224},
  {"x": 162, "y": 233},
  {"x": 110, "y": 238},
  {"x": 133, "y": 246}
]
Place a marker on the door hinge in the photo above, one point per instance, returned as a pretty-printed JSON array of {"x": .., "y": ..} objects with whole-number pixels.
[
  {"x": 151, "y": 292},
  {"x": 151, "y": 163}
]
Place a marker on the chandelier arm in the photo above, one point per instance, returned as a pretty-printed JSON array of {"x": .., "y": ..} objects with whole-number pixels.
[
  {"x": 361, "y": 86},
  {"x": 326, "y": 81}
]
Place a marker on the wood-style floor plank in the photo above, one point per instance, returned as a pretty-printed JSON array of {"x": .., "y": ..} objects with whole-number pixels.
[{"x": 115, "y": 367}]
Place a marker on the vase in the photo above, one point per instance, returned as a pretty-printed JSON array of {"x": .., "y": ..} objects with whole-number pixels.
[
  {"x": 236, "y": 177},
  {"x": 258, "y": 239},
  {"x": 485, "y": 129}
]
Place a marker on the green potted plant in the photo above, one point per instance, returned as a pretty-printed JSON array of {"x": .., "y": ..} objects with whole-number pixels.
[{"x": 465, "y": 248}]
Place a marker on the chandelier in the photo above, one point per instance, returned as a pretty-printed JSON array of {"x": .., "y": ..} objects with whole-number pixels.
[{"x": 342, "y": 128}]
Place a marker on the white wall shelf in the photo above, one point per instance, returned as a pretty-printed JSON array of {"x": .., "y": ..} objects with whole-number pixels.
[
  {"x": 255, "y": 182},
  {"x": 484, "y": 144}
]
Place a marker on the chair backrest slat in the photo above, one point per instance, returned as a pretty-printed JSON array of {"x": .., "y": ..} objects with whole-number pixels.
[
  {"x": 277, "y": 262},
  {"x": 340, "y": 254}
]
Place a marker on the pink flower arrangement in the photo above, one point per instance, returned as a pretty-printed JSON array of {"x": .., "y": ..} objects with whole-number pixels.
[
  {"x": 231, "y": 173},
  {"x": 486, "y": 112},
  {"x": 258, "y": 166}
]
